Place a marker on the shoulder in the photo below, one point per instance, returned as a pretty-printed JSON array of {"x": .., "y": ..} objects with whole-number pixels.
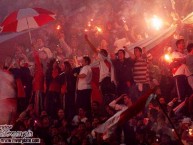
[
  {"x": 128, "y": 60},
  {"x": 178, "y": 54},
  {"x": 75, "y": 117},
  {"x": 88, "y": 67}
]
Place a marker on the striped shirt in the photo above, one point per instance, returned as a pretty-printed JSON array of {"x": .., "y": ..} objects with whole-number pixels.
[{"x": 140, "y": 71}]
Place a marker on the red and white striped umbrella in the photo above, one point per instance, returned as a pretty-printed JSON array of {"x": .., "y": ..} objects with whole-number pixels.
[{"x": 28, "y": 18}]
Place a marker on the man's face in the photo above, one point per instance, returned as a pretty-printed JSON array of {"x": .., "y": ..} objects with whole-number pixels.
[
  {"x": 84, "y": 62},
  {"x": 181, "y": 45},
  {"x": 137, "y": 52},
  {"x": 121, "y": 55},
  {"x": 60, "y": 113},
  {"x": 81, "y": 112},
  {"x": 40, "y": 43},
  {"x": 127, "y": 100},
  {"x": 162, "y": 100},
  {"x": 22, "y": 63}
]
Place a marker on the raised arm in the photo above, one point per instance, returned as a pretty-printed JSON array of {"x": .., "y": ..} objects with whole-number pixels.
[
  {"x": 114, "y": 104},
  {"x": 37, "y": 60},
  {"x": 129, "y": 52},
  {"x": 90, "y": 44}
]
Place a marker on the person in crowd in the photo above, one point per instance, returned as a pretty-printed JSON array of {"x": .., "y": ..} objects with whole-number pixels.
[
  {"x": 185, "y": 127},
  {"x": 20, "y": 53},
  {"x": 141, "y": 74},
  {"x": 106, "y": 73},
  {"x": 43, "y": 128},
  {"x": 38, "y": 84},
  {"x": 41, "y": 47},
  {"x": 44, "y": 52},
  {"x": 8, "y": 103},
  {"x": 53, "y": 88},
  {"x": 81, "y": 132},
  {"x": 123, "y": 72},
  {"x": 95, "y": 109},
  {"x": 180, "y": 70},
  {"x": 149, "y": 128},
  {"x": 189, "y": 63},
  {"x": 64, "y": 46},
  {"x": 14, "y": 69},
  {"x": 84, "y": 78},
  {"x": 59, "y": 53},
  {"x": 27, "y": 113},
  {"x": 59, "y": 119},
  {"x": 68, "y": 89},
  {"x": 80, "y": 117},
  {"x": 129, "y": 137},
  {"x": 167, "y": 84},
  {"x": 26, "y": 79},
  {"x": 163, "y": 125}
]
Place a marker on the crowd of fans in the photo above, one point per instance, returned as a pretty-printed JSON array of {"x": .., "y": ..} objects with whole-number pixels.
[
  {"x": 55, "y": 102},
  {"x": 54, "y": 83}
]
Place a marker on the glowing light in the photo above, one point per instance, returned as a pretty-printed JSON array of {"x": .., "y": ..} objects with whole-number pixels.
[
  {"x": 85, "y": 30},
  {"x": 156, "y": 23},
  {"x": 91, "y": 20},
  {"x": 99, "y": 29},
  {"x": 123, "y": 19},
  {"x": 168, "y": 58},
  {"x": 89, "y": 24},
  {"x": 58, "y": 27},
  {"x": 190, "y": 132}
]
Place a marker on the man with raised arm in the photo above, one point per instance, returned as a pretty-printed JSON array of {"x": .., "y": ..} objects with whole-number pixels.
[{"x": 106, "y": 73}]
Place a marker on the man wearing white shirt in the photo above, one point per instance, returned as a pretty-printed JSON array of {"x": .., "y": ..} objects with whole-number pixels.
[
  {"x": 180, "y": 70},
  {"x": 106, "y": 73},
  {"x": 189, "y": 63},
  {"x": 84, "y": 85}
]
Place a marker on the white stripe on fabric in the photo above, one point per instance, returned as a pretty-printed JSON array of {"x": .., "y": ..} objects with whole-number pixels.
[
  {"x": 140, "y": 73},
  {"x": 140, "y": 76},
  {"x": 22, "y": 24},
  {"x": 28, "y": 12},
  {"x": 53, "y": 16},
  {"x": 137, "y": 70},
  {"x": 177, "y": 89}
]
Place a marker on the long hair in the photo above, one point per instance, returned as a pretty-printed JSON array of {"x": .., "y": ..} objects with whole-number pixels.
[{"x": 68, "y": 67}]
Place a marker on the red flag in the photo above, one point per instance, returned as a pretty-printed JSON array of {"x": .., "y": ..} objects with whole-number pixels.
[
  {"x": 122, "y": 116},
  {"x": 136, "y": 107}
]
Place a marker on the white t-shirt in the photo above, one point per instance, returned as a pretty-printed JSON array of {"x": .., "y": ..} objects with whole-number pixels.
[
  {"x": 182, "y": 69},
  {"x": 85, "y": 83},
  {"x": 76, "y": 120},
  {"x": 103, "y": 68},
  {"x": 189, "y": 62},
  {"x": 47, "y": 52}
]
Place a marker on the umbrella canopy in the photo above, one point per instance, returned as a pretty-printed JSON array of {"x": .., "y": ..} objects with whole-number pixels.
[{"x": 28, "y": 18}]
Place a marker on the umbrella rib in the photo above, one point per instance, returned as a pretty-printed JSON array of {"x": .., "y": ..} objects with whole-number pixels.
[{"x": 29, "y": 31}]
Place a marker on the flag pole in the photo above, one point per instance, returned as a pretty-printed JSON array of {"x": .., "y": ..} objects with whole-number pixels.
[
  {"x": 170, "y": 121},
  {"x": 29, "y": 31}
]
